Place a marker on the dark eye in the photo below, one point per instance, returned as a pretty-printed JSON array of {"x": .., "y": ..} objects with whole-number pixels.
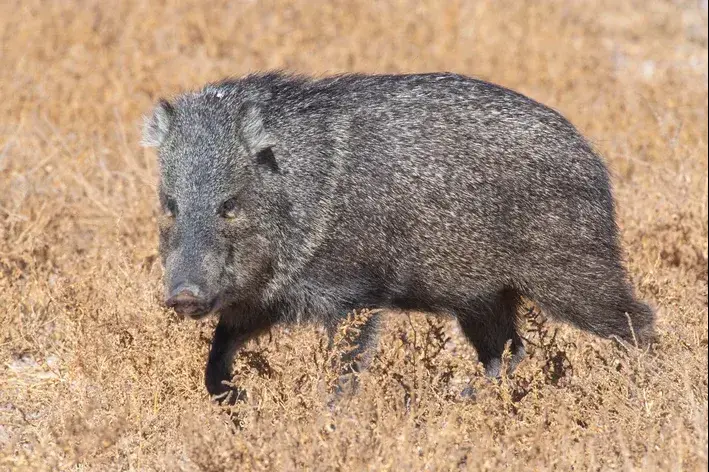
[
  {"x": 170, "y": 206},
  {"x": 229, "y": 208}
]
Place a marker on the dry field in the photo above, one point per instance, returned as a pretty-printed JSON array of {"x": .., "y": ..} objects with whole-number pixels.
[{"x": 96, "y": 375}]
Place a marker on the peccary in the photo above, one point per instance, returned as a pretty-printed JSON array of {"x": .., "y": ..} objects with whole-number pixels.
[{"x": 287, "y": 198}]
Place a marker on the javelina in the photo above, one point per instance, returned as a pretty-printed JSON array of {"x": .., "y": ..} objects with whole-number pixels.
[{"x": 287, "y": 198}]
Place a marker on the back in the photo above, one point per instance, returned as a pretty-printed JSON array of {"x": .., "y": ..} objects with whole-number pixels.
[{"x": 417, "y": 165}]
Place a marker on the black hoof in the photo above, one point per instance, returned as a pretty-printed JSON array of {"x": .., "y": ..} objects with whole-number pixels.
[
  {"x": 469, "y": 393},
  {"x": 227, "y": 395}
]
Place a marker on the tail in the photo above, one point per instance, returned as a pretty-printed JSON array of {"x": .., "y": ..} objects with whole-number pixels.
[
  {"x": 610, "y": 312},
  {"x": 640, "y": 324}
]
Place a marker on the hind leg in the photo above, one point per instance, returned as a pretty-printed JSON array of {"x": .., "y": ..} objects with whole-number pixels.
[{"x": 488, "y": 324}]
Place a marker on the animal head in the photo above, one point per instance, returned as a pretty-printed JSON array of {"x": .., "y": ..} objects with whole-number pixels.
[{"x": 218, "y": 181}]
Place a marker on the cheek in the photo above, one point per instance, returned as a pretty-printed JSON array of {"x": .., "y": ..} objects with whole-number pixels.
[
  {"x": 250, "y": 251},
  {"x": 165, "y": 228},
  {"x": 234, "y": 231},
  {"x": 245, "y": 252}
]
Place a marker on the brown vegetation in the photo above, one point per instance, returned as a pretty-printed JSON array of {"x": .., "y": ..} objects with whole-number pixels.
[{"x": 97, "y": 375}]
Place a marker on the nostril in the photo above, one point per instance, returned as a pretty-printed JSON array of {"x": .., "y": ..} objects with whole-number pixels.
[
  {"x": 182, "y": 298},
  {"x": 183, "y": 295},
  {"x": 188, "y": 299}
]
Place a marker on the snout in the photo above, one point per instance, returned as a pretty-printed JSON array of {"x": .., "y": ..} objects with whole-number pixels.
[{"x": 187, "y": 299}]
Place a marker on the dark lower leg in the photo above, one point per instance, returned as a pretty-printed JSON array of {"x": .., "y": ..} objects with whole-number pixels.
[
  {"x": 231, "y": 333},
  {"x": 358, "y": 358},
  {"x": 489, "y": 325}
]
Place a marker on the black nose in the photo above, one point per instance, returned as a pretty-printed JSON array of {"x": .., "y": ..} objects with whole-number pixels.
[{"x": 187, "y": 300}]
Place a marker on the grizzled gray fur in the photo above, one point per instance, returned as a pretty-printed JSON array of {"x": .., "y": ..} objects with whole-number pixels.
[{"x": 288, "y": 199}]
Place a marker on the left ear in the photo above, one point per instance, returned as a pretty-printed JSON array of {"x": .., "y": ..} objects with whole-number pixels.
[
  {"x": 157, "y": 126},
  {"x": 256, "y": 138}
]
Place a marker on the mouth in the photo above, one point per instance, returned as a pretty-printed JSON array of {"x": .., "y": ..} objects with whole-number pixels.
[
  {"x": 197, "y": 311},
  {"x": 196, "y": 316}
]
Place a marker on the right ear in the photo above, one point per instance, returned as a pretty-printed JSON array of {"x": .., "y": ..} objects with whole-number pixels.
[{"x": 156, "y": 127}]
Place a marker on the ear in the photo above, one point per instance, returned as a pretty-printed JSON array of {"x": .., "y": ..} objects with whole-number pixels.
[
  {"x": 257, "y": 140},
  {"x": 155, "y": 127}
]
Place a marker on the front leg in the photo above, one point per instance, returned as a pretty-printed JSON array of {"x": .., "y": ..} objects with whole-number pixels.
[{"x": 231, "y": 333}]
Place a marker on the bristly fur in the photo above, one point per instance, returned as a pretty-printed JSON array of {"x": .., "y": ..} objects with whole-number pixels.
[{"x": 434, "y": 192}]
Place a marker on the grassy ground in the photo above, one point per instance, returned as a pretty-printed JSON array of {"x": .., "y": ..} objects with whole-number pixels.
[{"x": 96, "y": 375}]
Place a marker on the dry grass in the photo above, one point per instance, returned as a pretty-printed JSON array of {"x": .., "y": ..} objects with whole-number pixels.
[{"x": 96, "y": 375}]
